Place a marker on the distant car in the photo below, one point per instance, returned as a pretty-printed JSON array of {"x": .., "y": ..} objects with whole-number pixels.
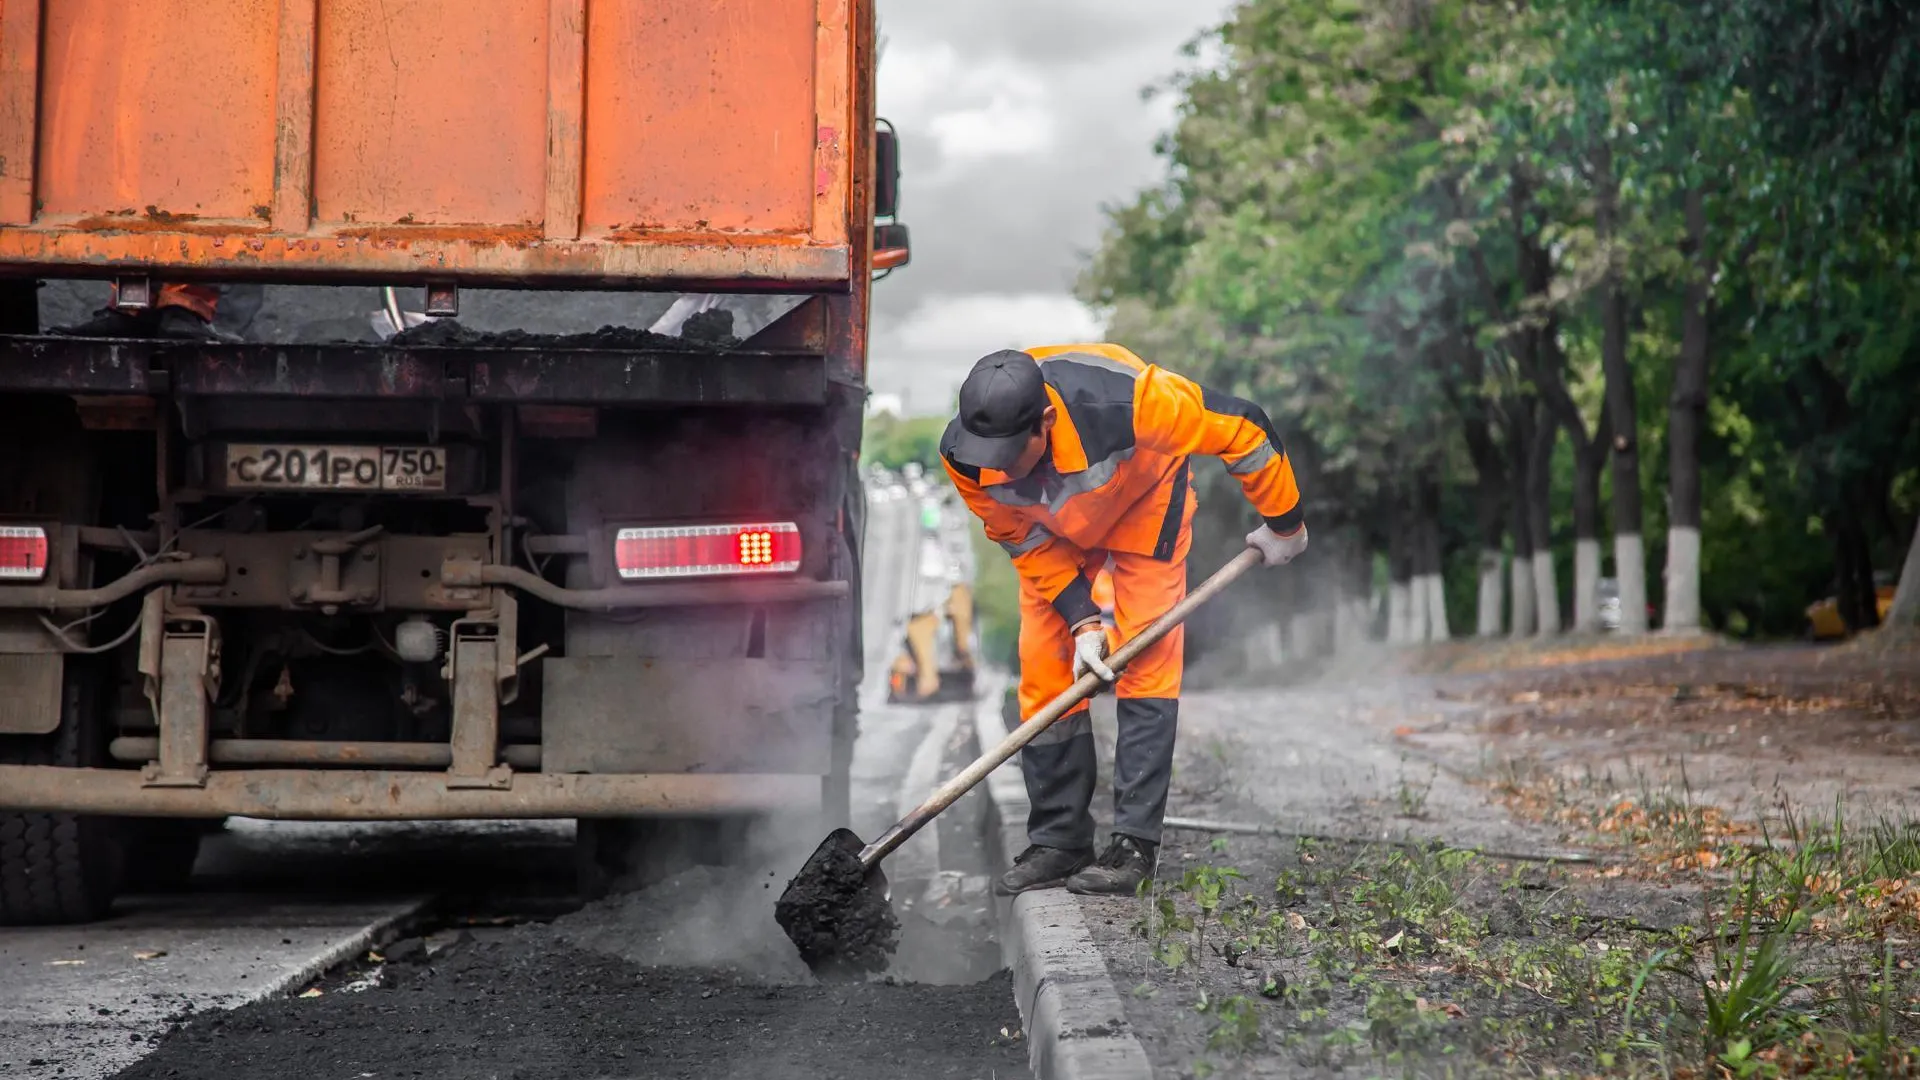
[{"x": 1823, "y": 616}]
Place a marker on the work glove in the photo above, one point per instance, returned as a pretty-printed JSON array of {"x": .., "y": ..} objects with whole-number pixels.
[
  {"x": 1277, "y": 550},
  {"x": 1090, "y": 653}
]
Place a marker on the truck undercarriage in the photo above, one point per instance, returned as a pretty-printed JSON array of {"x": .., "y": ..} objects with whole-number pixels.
[{"x": 378, "y": 582}]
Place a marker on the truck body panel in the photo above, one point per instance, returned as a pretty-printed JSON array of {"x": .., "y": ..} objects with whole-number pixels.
[{"x": 588, "y": 143}]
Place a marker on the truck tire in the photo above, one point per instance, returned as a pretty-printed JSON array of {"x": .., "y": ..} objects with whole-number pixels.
[
  {"x": 623, "y": 854},
  {"x": 836, "y": 790},
  {"x": 59, "y": 867},
  {"x": 160, "y": 852}
]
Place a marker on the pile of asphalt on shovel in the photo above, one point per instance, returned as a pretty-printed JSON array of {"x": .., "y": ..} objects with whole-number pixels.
[{"x": 682, "y": 971}]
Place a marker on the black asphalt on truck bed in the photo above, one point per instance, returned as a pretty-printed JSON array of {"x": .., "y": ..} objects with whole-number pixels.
[{"x": 523, "y": 1005}]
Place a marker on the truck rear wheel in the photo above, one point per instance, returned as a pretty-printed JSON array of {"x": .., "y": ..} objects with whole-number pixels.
[
  {"x": 160, "y": 852},
  {"x": 59, "y": 868},
  {"x": 622, "y": 854}
]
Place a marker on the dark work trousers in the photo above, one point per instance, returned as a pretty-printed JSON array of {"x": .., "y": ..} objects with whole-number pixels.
[{"x": 1061, "y": 771}]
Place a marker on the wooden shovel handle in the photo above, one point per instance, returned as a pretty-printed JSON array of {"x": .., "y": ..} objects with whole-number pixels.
[{"x": 1055, "y": 709}]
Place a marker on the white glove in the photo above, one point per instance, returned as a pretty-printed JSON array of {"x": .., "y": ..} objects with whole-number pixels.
[
  {"x": 1090, "y": 653},
  {"x": 1278, "y": 550}
]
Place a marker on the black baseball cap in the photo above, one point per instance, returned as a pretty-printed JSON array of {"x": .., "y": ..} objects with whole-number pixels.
[{"x": 1000, "y": 407}]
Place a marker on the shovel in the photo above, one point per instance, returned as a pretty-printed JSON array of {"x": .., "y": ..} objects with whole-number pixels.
[{"x": 835, "y": 909}]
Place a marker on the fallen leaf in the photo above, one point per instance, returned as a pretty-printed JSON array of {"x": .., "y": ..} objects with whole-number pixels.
[
  {"x": 149, "y": 954},
  {"x": 1393, "y": 942},
  {"x": 374, "y": 957},
  {"x": 1296, "y": 921},
  {"x": 1402, "y": 731},
  {"x": 315, "y": 992}
]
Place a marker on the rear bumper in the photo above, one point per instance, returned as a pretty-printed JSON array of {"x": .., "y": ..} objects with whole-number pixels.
[{"x": 378, "y": 795}]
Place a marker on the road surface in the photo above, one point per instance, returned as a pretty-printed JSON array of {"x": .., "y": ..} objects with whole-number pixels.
[{"x": 273, "y": 905}]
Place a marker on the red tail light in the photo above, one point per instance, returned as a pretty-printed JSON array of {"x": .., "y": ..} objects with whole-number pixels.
[
  {"x": 702, "y": 550},
  {"x": 23, "y": 553}
]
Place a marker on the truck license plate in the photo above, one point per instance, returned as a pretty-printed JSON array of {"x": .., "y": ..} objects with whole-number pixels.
[{"x": 293, "y": 467}]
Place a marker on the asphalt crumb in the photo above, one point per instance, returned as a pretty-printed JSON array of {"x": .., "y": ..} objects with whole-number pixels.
[
  {"x": 837, "y": 917},
  {"x": 527, "y": 1006},
  {"x": 710, "y": 334}
]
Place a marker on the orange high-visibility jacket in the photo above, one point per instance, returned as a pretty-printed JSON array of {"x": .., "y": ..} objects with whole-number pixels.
[{"x": 1116, "y": 475}]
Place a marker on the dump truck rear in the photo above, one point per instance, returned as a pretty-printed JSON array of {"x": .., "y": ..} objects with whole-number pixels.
[{"x": 610, "y": 576}]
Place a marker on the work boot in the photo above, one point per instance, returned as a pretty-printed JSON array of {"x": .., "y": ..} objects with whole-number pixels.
[
  {"x": 1121, "y": 868},
  {"x": 1041, "y": 867},
  {"x": 172, "y": 323},
  {"x": 179, "y": 324},
  {"x": 114, "y": 323}
]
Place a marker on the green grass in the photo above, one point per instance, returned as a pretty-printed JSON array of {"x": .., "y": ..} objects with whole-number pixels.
[{"x": 1392, "y": 961}]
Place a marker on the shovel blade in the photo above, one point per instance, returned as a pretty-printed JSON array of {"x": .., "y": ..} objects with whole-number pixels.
[{"x": 836, "y": 911}]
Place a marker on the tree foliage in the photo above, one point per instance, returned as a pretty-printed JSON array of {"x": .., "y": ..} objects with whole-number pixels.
[{"x": 1423, "y": 232}]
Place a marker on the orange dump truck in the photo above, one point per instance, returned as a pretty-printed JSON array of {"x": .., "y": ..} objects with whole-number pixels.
[{"x": 603, "y": 576}]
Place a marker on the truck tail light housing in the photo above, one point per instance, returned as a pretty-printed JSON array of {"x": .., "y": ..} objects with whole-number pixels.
[
  {"x": 23, "y": 553},
  {"x": 682, "y": 551}
]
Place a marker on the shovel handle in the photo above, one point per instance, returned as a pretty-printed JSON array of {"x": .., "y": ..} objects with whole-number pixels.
[{"x": 1082, "y": 689}]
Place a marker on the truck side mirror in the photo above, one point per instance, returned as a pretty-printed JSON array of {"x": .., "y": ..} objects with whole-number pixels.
[
  {"x": 890, "y": 246},
  {"x": 886, "y": 171}
]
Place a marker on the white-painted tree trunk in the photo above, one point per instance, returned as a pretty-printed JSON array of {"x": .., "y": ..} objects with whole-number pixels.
[
  {"x": 1630, "y": 560},
  {"x": 1399, "y": 613},
  {"x": 1264, "y": 648},
  {"x": 1437, "y": 628},
  {"x": 1546, "y": 594},
  {"x": 1526, "y": 613},
  {"x": 1904, "y": 616},
  {"x": 1586, "y": 586},
  {"x": 1683, "y": 580},
  {"x": 1307, "y": 635},
  {"x": 1417, "y": 609},
  {"x": 1349, "y": 624},
  {"x": 1492, "y": 595}
]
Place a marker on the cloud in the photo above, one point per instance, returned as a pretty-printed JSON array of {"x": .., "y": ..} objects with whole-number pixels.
[
  {"x": 1018, "y": 122},
  {"x": 923, "y": 354},
  {"x": 990, "y": 108}
]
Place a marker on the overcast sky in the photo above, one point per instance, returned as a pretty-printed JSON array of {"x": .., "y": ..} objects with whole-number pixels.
[{"x": 1018, "y": 120}]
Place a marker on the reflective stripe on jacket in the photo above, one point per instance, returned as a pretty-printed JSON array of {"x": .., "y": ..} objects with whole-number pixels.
[{"x": 1116, "y": 474}]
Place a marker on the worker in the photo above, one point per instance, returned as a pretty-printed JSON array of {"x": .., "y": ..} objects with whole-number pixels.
[
  {"x": 1071, "y": 455},
  {"x": 1103, "y": 592},
  {"x": 179, "y": 311}
]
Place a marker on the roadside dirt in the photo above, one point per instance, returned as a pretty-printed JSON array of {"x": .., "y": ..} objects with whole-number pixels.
[
  {"x": 522, "y": 1004},
  {"x": 1753, "y": 907}
]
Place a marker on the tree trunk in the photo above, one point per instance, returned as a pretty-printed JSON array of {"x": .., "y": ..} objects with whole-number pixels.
[
  {"x": 1904, "y": 616},
  {"x": 1416, "y": 609},
  {"x": 1490, "y": 479},
  {"x": 1866, "y": 593},
  {"x": 1433, "y": 560},
  {"x": 1520, "y": 442},
  {"x": 1399, "y": 588},
  {"x": 1629, "y": 553},
  {"x": 1588, "y": 462},
  {"x": 1546, "y": 587},
  {"x": 1686, "y": 415}
]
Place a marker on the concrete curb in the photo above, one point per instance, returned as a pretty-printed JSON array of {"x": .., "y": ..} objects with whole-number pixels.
[
  {"x": 1076, "y": 1024},
  {"x": 372, "y": 935}
]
